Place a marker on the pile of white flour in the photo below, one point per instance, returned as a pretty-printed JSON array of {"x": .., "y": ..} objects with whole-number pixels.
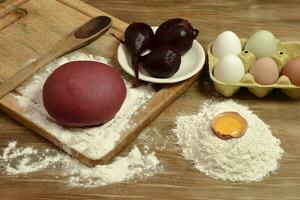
[
  {"x": 92, "y": 142},
  {"x": 19, "y": 161},
  {"x": 249, "y": 158}
]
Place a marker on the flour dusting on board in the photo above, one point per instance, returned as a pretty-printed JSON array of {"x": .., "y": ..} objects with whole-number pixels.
[
  {"x": 136, "y": 165},
  {"x": 92, "y": 142}
]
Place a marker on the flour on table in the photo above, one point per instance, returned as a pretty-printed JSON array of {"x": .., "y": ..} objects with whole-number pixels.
[
  {"x": 249, "y": 158},
  {"x": 135, "y": 166},
  {"x": 92, "y": 142},
  {"x": 152, "y": 138},
  {"x": 26, "y": 160}
]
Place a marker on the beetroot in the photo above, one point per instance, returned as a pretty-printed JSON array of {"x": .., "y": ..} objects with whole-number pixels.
[
  {"x": 83, "y": 93},
  {"x": 176, "y": 32},
  {"x": 138, "y": 38},
  {"x": 162, "y": 62}
]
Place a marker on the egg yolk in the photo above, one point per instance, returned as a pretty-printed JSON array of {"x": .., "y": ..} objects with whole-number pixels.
[{"x": 229, "y": 125}]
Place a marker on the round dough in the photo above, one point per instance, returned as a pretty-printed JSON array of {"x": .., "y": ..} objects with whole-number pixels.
[{"x": 83, "y": 93}]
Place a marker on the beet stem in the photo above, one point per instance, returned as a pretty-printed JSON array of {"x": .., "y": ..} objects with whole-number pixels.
[
  {"x": 135, "y": 65},
  {"x": 196, "y": 32}
]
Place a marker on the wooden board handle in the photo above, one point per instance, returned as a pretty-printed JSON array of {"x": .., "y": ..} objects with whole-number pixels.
[
  {"x": 9, "y": 6},
  {"x": 12, "y": 17}
]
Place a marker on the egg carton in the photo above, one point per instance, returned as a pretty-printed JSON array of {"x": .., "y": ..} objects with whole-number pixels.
[{"x": 285, "y": 51}]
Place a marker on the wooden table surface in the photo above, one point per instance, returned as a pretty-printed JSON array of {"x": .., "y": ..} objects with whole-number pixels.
[{"x": 180, "y": 180}]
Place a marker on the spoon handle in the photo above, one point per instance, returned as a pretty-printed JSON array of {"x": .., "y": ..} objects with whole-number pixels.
[{"x": 75, "y": 40}]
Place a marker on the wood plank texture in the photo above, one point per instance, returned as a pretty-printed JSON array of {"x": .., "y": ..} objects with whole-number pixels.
[{"x": 180, "y": 180}]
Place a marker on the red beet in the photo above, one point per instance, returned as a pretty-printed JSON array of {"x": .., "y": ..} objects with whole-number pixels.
[
  {"x": 138, "y": 38},
  {"x": 83, "y": 93},
  {"x": 162, "y": 62},
  {"x": 176, "y": 32}
]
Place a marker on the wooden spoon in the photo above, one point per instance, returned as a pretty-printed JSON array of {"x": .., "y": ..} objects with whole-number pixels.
[{"x": 75, "y": 40}]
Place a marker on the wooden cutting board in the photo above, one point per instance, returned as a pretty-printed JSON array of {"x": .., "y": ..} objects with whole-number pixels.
[{"x": 31, "y": 31}]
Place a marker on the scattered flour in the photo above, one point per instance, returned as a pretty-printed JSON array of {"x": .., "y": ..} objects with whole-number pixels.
[
  {"x": 25, "y": 160},
  {"x": 152, "y": 138},
  {"x": 92, "y": 142},
  {"x": 18, "y": 161},
  {"x": 249, "y": 158}
]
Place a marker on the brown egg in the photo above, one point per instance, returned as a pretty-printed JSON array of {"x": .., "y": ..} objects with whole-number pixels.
[
  {"x": 292, "y": 70},
  {"x": 265, "y": 71}
]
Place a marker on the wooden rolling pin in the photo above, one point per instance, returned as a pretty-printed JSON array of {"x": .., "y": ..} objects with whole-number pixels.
[{"x": 75, "y": 40}]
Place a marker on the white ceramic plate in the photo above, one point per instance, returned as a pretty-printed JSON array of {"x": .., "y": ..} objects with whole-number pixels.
[{"x": 191, "y": 63}]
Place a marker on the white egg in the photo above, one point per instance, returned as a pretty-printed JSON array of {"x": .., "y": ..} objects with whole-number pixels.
[
  {"x": 225, "y": 44},
  {"x": 229, "y": 69}
]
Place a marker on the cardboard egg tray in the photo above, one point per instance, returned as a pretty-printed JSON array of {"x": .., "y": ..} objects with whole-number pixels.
[{"x": 285, "y": 52}]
